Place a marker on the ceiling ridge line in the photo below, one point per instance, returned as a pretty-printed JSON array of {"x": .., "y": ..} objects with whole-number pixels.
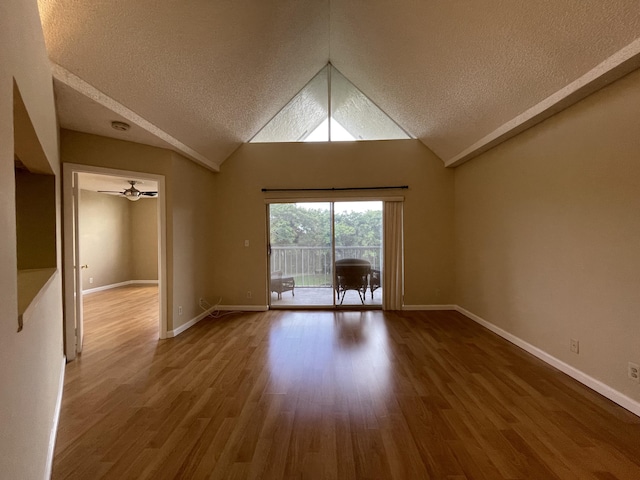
[
  {"x": 329, "y": 31},
  {"x": 85, "y": 88}
]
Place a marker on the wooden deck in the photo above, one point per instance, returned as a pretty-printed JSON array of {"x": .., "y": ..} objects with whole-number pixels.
[{"x": 325, "y": 395}]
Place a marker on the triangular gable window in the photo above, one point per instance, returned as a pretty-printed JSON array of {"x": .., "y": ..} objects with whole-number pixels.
[{"x": 329, "y": 109}]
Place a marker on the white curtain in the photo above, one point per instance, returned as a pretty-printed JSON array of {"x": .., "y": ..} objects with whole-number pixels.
[{"x": 393, "y": 275}]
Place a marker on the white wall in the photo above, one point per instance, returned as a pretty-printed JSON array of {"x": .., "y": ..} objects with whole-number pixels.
[{"x": 30, "y": 361}]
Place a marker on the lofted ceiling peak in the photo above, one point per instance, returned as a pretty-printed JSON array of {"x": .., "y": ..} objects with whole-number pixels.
[
  {"x": 329, "y": 108},
  {"x": 203, "y": 77}
]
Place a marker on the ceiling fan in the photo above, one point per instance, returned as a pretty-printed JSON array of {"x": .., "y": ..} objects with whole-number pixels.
[{"x": 131, "y": 193}]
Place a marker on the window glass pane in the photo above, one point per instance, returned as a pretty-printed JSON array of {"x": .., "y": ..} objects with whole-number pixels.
[
  {"x": 301, "y": 254},
  {"x": 358, "y": 115},
  {"x": 358, "y": 239},
  {"x": 301, "y": 116},
  {"x": 306, "y": 117}
]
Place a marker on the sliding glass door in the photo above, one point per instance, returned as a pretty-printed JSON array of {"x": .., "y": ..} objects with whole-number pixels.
[
  {"x": 301, "y": 254},
  {"x": 324, "y": 254}
]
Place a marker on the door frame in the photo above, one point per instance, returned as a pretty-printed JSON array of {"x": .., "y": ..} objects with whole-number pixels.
[
  {"x": 73, "y": 290},
  {"x": 332, "y": 200}
]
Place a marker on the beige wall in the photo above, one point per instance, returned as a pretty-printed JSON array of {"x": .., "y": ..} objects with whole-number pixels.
[
  {"x": 143, "y": 216},
  {"x": 105, "y": 239},
  {"x": 30, "y": 361},
  {"x": 118, "y": 239},
  {"x": 36, "y": 220},
  {"x": 195, "y": 228},
  {"x": 547, "y": 232},
  {"x": 241, "y": 210},
  {"x": 190, "y": 223}
]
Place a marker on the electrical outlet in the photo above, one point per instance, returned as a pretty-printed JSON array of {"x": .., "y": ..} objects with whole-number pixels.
[
  {"x": 180, "y": 310},
  {"x": 249, "y": 294},
  {"x": 575, "y": 346},
  {"x": 90, "y": 279},
  {"x": 634, "y": 372}
]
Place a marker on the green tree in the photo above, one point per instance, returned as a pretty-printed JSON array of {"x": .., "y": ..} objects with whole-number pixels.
[{"x": 294, "y": 225}]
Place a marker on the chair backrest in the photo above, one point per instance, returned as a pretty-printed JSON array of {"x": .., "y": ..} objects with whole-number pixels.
[
  {"x": 353, "y": 262},
  {"x": 352, "y": 272}
]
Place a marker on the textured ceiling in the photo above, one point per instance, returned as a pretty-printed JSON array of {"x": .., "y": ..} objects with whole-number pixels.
[{"x": 205, "y": 76}]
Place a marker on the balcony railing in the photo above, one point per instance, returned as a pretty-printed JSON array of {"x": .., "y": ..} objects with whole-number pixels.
[{"x": 312, "y": 266}]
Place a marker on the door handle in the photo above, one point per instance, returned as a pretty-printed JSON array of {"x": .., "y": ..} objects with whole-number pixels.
[{"x": 84, "y": 266}]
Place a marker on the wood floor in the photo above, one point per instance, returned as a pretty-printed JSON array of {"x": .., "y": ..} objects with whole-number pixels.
[{"x": 315, "y": 394}]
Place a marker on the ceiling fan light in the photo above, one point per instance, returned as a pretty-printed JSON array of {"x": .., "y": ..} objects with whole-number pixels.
[{"x": 133, "y": 195}]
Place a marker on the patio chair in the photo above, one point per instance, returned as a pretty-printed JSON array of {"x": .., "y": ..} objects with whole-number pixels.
[
  {"x": 374, "y": 281},
  {"x": 281, "y": 284},
  {"x": 352, "y": 274}
]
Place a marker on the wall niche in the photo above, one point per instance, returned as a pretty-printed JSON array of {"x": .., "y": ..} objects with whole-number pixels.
[{"x": 35, "y": 201}]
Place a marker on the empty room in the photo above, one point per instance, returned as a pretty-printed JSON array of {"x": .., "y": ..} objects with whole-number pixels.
[{"x": 320, "y": 239}]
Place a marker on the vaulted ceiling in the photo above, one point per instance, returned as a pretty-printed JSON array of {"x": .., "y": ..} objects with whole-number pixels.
[{"x": 203, "y": 76}]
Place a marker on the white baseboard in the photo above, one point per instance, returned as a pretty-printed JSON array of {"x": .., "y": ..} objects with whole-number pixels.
[
  {"x": 224, "y": 308},
  {"x": 120, "y": 284},
  {"x": 185, "y": 326},
  {"x": 56, "y": 417},
  {"x": 429, "y": 307},
  {"x": 603, "y": 389}
]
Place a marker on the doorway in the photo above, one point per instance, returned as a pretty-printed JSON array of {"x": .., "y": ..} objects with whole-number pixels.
[
  {"x": 80, "y": 186},
  {"x": 326, "y": 254}
]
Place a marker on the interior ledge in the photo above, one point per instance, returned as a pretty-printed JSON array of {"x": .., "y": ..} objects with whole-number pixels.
[{"x": 31, "y": 285}]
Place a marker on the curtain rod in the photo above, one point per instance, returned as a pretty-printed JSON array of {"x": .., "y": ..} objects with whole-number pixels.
[{"x": 332, "y": 189}]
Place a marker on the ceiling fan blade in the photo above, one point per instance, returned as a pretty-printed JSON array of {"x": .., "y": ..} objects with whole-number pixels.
[
  {"x": 110, "y": 191},
  {"x": 149, "y": 194}
]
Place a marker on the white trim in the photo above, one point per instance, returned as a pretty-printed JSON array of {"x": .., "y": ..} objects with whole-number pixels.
[
  {"x": 56, "y": 418},
  {"x": 185, "y": 326},
  {"x": 615, "y": 396},
  {"x": 429, "y": 307},
  {"x": 68, "y": 270},
  {"x": 120, "y": 284},
  {"x": 69, "y": 316},
  {"x": 225, "y": 308}
]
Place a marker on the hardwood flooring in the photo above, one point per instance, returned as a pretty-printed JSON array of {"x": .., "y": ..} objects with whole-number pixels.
[{"x": 319, "y": 394}]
